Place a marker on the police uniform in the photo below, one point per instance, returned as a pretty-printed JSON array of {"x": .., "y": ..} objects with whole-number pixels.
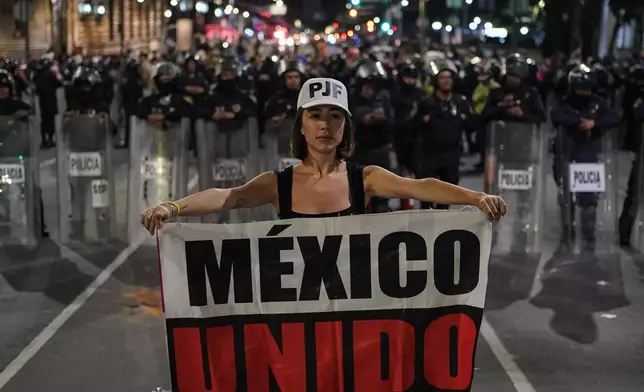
[
  {"x": 372, "y": 138},
  {"x": 633, "y": 142},
  {"x": 227, "y": 97},
  {"x": 168, "y": 100},
  {"x": 525, "y": 97},
  {"x": 579, "y": 145},
  {"x": 405, "y": 101},
  {"x": 86, "y": 92},
  {"x": 10, "y": 106},
  {"x": 284, "y": 102},
  {"x": 438, "y": 147}
]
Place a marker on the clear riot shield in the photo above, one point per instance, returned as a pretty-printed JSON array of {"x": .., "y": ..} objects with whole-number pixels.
[
  {"x": 586, "y": 167},
  {"x": 515, "y": 170},
  {"x": 20, "y": 215},
  {"x": 277, "y": 145},
  {"x": 158, "y": 167},
  {"x": 228, "y": 159},
  {"x": 636, "y": 196},
  {"x": 86, "y": 197}
]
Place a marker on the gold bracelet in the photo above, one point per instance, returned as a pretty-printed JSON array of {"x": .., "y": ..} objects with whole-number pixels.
[{"x": 175, "y": 206}]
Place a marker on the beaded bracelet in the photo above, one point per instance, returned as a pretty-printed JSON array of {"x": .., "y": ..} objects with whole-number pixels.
[{"x": 175, "y": 209}]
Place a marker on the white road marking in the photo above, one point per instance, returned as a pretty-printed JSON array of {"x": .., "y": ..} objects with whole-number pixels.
[
  {"x": 50, "y": 330},
  {"x": 47, "y": 162},
  {"x": 516, "y": 375}
]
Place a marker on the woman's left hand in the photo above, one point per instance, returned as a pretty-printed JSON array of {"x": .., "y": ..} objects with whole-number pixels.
[{"x": 493, "y": 206}]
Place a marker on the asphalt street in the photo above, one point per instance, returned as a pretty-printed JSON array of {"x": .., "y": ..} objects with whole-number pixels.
[{"x": 557, "y": 323}]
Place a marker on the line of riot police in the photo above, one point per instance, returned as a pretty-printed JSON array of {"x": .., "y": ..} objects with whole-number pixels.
[{"x": 428, "y": 109}]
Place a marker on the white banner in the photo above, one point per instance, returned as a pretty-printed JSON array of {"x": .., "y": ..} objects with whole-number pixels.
[
  {"x": 356, "y": 291},
  {"x": 255, "y": 255}
]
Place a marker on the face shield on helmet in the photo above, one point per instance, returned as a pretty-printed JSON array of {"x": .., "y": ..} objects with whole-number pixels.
[
  {"x": 515, "y": 69},
  {"x": 581, "y": 81},
  {"x": 6, "y": 84},
  {"x": 443, "y": 73},
  {"x": 408, "y": 74},
  {"x": 292, "y": 72},
  {"x": 165, "y": 76}
]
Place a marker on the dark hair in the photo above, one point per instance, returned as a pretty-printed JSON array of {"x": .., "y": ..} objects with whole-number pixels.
[{"x": 299, "y": 148}]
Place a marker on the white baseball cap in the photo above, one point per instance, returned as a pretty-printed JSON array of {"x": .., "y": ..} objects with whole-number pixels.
[{"x": 323, "y": 91}]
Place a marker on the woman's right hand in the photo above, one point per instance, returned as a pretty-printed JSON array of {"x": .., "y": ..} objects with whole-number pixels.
[{"x": 153, "y": 218}]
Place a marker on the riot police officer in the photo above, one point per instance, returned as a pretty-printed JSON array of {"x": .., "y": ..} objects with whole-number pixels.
[
  {"x": 405, "y": 103},
  {"x": 131, "y": 89},
  {"x": 47, "y": 82},
  {"x": 193, "y": 81},
  {"x": 9, "y": 105},
  {"x": 12, "y": 66},
  {"x": 168, "y": 103},
  {"x": 265, "y": 86},
  {"x": 634, "y": 117},
  {"x": 284, "y": 103},
  {"x": 584, "y": 119},
  {"x": 19, "y": 110},
  {"x": 514, "y": 100},
  {"x": 229, "y": 105},
  {"x": 86, "y": 92},
  {"x": 374, "y": 120},
  {"x": 445, "y": 116},
  {"x": 68, "y": 76}
]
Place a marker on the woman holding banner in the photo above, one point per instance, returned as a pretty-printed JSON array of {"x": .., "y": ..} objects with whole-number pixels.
[{"x": 325, "y": 184}]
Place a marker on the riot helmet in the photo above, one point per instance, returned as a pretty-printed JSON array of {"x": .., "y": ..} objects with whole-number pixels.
[
  {"x": 581, "y": 81},
  {"x": 408, "y": 74},
  {"x": 44, "y": 64},
  {"x": 165, "y": 78},
  {"x": 7, "y": 84},
  {"x": 369, "y": 77},
  {"x": 192, "y": 63},
  {"x": 10, "y": 64},
  {"x": 603, "y": 79},
  {"x": 443, "y": 74},
  {"x": 293, "y": 73},
  {"x": 635, "y": 77},
  {"x": 516, "y": 66},
  {"x": 86, "y": 82},
  {"x": 230, "y": 71},
  {"x": 335, "y": 64}
]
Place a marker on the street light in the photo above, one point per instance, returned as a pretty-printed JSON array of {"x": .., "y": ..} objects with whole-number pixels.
[
  {"x": 524, "y": 30},
  {"x": 477, "y": 20},
  {"x": 437, "y": 25},
  {"x": 404, "y": 3},
  {"x": 246, "y": 14},
  {"x": 167, "y": 13},
  {"x": 174, "y": 3},
  {"x": 218, "y": 13},
  {"x": 201, "y": 7},
  {"x": 448, "y": 28},
  {"x": 385, "y": 26},
  {"x": 353, "y": 13},
  {"x": 468, "y": 2},
  {"x": 376, "y": 20}
]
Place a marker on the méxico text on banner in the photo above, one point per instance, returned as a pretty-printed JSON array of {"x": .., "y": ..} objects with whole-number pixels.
[{"x": 389, "y": 302}]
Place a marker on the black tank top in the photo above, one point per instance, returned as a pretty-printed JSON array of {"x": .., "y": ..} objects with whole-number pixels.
[{"x": 356, "y": 194}]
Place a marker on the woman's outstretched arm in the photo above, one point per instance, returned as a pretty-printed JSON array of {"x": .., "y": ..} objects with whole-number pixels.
[
  {"x": 383, "y": 183},
  {"x": 258, "y": 191}
]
